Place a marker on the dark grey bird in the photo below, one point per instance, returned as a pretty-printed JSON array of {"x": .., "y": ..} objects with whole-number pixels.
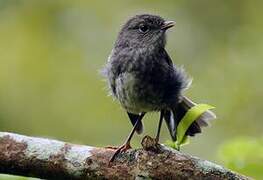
[{"x": 142, "y": 77}]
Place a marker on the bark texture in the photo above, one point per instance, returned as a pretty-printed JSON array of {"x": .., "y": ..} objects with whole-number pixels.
[{"x": 51, "y": 159}]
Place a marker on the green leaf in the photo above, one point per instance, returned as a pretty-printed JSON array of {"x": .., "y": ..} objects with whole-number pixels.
[
  {"x": 176, "y": 146},
  {"x": 191, "y": 115},
  {"x": 171, "y": 144},
  {"x": 185, "y": 141}
]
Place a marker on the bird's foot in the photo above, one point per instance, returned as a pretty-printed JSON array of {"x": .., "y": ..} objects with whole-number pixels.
[
  {"x": 119, "y": 150},
  {"x": 111, "y": 147},
  {"x": 156, "y": 141}
]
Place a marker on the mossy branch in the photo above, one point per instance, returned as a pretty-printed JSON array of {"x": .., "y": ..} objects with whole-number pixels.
[{"x": 51, "y": 159}]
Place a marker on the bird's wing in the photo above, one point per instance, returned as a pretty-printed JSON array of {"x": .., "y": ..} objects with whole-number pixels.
[{"x": 167, "y": 58}]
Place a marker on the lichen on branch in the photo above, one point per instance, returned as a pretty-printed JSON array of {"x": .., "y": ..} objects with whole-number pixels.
[{"x": 52, "y": 159}]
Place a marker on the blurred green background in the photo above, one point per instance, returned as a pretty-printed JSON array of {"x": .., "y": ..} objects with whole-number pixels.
[{"x": 51, "y": 53}]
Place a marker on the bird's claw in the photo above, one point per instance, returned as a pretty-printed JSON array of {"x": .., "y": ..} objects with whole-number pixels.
[
  {"x": 112, "y": 147},
  {"x": 120, "y": 149},
  {"x": 156, "y": 141}
]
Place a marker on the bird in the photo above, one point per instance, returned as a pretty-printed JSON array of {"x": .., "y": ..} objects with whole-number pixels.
[{"x": 143, "y": 78}]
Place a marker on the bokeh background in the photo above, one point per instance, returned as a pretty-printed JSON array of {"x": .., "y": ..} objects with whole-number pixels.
[{"x": 51, "y": 53}]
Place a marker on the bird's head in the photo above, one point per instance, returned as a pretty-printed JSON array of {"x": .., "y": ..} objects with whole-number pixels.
[{"x": 144, "y": 31}]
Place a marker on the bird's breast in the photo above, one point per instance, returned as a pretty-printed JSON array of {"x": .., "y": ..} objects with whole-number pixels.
[{"x": 135, "y": 94}]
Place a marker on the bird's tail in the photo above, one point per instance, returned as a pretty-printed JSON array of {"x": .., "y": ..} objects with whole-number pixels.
[{"x": 174, "y": 116}]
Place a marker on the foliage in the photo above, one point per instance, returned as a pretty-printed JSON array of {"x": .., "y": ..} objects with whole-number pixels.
[
  {"x": 191, "y": 115},
  {"x": 244, "y": 155},
  {"x": 11, "y": 177}
]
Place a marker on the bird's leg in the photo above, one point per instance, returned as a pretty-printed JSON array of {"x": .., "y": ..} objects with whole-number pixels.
[
  {"x": 127, "y": 145},
  {"x": 159, "y": 127}
]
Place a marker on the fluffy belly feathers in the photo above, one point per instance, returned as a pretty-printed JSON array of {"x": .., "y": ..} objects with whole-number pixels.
[{"x": 134, "y": 96}]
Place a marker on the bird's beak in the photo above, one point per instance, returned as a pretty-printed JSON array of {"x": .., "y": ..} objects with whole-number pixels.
[{"x": 167, "y": 25}]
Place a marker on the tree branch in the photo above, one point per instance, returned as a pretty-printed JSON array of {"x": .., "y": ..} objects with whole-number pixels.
[{"x": 51, "y": 159}]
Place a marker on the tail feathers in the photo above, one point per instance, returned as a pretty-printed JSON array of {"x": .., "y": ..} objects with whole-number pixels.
[
  {"x": 174, "y": 116},
  {"x": 205, "y": 118}
]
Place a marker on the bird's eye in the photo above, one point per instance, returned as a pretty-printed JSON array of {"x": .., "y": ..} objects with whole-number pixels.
[{"x": 143, "y": 28}]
